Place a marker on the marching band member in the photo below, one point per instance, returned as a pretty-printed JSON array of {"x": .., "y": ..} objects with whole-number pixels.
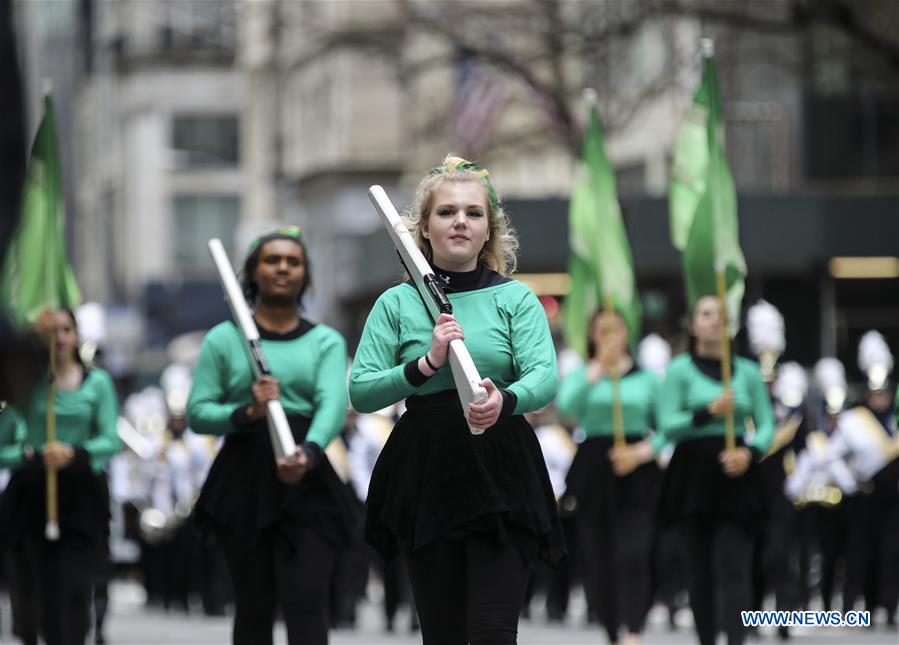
[
  {"x": 15, "y": 574},
  {"x": 866, "y": 436},
  {"x": 817, "y": 485},
  {"x": 280, "y": 526},
  {"x": 61, "y": 573},
  {"x": 470, "y": 514},
  {"x": 131, "y": 475},
  {"x": 776, "y": 556},
  {"x": 715, "y": 494},
  {"x": 179, "y": 471},
  {"x": 616, "y": 494}
]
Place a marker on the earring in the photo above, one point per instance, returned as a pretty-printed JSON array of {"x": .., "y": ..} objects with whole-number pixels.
[{"x": 426, "y": 236}]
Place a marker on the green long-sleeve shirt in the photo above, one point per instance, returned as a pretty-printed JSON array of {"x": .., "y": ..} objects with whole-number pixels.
[
  {"x": 86, "y": 418},
  {"x": 591, "y": 403},
  {"x": 506, "y": 333},
  {"x": 311, "y": 373},
  {"x": 687, "y": 392}
]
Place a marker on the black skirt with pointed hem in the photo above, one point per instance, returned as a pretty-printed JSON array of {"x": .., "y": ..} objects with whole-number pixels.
[
  {"x": 435, "y": 480},
  {"x": 82, "y": 503},
  {"x": 594, "y": 491},
  {"x": 695, "y": 485},
  {"x": 243, "y": 497}
]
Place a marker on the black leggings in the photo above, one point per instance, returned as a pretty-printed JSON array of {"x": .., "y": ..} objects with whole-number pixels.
[
  {"x": 721, "y": 577},
  {"x": 294, "y": 576},
  {"x": 776, "y": 558},
  {"x": 59, "y": 579},
  {"x": 618, "y": 559},
  {"x": 468, "y": 591}
]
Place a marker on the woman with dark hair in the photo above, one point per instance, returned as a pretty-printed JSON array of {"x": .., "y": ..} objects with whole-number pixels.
[
  {"x": 280, "y": 525},
  {"x": 54, "y": 578},
  {"x": 714, "y": 493},
  {"x": 615, "y": 491},
  {"x": 470, "y": 514}
]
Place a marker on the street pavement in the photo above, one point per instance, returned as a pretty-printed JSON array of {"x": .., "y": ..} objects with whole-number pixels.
[{"x": 131, "y": 623}]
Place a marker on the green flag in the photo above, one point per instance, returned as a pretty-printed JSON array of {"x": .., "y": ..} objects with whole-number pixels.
[
  {"x": 703, "y": 201},
  {"x": 600, "y": 262},
  {"x": 36, "y": 273}
]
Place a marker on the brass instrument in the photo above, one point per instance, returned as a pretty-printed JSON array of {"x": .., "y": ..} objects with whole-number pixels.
[
  {"x": 155, "y": 527},
  {"x": 821, "y": 494},
  {"x": 826, "y": 495}
]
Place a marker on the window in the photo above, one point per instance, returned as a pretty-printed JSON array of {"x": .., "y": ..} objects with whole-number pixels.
[
  {"x": 199, "y": 26},
  {"x": 206, "y": 140},
  {"x": 197, "y": 219}
]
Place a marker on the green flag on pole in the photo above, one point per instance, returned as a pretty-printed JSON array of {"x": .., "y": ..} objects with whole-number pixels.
[
  {"x": 36, "y": 273},
  {"x": 600, "y": 263},
  {"x": 703, "y": 201}
]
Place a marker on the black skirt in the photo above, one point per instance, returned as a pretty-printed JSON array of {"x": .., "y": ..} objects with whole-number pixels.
[
  {"x": 82, "y": 503},
  {"x": 695, "y": 485},
  {"x": 435, "y": 480},
  {"x": 243, "y": 497},
  {"x": 596, "y": 494}
]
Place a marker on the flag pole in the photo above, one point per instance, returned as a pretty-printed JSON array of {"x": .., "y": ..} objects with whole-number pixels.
[
  {"x": 708, "y": 51},
  {"x": 51, "y": 531},
  {"x": 729, "y": 441},
  {"x": 617, "y": 409}
]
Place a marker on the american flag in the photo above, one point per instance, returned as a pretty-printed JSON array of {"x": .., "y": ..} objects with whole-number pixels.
[{"x": 480, "y": 97}]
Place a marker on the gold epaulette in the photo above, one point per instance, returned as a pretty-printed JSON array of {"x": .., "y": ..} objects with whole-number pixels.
[{"x": 784, "y": 434}]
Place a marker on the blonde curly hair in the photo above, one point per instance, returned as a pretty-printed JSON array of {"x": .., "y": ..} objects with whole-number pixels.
[{"x": 500, "y": 250}]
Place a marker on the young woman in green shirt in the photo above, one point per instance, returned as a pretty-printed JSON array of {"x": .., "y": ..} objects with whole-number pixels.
[
  {"x": 469, "y": 513},
  {"x": 56, "y": 578},
  {"x": 280, "y": 526},
  {"x": 615, "y": 500},
  {"x": 715, "y": 494}
]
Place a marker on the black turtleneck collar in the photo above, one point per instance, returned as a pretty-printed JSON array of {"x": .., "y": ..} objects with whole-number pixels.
[
  {"x": 293, "y": 334},
  {"x": 461, "y": 281},
  {"x": 711, "y": 367}
]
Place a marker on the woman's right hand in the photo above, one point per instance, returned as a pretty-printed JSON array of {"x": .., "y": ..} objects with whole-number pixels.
[
  {"x": 446, "y": 329},
  {"x": 45, "y": 324},
  {"x": 265, "y": 389},
  {"x": 594, "y": 370},
  {"x": 626, "y": 459},
  {"x": 723, "y": 405},
  {"x": 57, "y": 455},
  {"x": 292, "y": 469}
]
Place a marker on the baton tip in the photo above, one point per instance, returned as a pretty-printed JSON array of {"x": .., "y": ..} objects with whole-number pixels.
[{"x": 51, "y": 532}]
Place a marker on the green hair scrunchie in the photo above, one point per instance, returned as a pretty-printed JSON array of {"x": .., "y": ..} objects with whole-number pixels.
[{"x": 457, "y": 164}]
